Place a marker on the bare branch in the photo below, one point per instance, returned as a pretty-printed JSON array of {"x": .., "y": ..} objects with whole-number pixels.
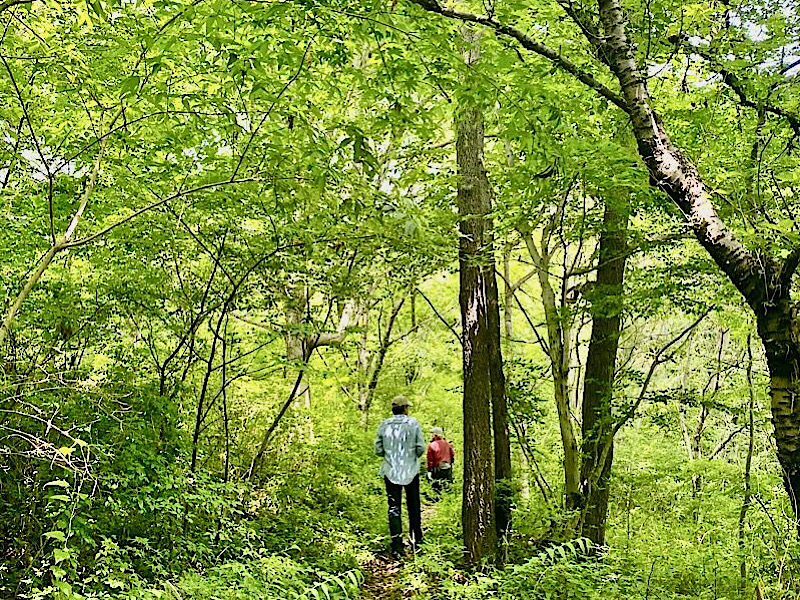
[
  {"x": 285, "y": 87},
  {"x": 155, "y": 204},
  {"x": 735, "y": 83},
  {"x": 721, "y": 446},
  {"x": 658, "y": 359}
]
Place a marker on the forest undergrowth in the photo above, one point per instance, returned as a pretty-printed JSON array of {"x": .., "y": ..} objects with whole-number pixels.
[
  {"x": 318, "y": 532},
  {"x": 567, "y": 232}
]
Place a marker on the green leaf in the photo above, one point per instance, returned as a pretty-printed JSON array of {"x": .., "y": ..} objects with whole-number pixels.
[
  {"x": 60, "y": 555},
  {"x": 129, "y": 86},
  {"x": 55, "y": 535},
  {"x": 57, "y": 483}
]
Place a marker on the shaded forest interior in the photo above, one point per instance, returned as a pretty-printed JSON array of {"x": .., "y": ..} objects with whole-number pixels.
[{"x": 234, "y": 232}]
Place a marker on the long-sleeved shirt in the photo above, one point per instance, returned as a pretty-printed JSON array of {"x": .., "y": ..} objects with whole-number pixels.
[
  {"x": 439, "y": 451},
  {"x": 399, "y": 441}
]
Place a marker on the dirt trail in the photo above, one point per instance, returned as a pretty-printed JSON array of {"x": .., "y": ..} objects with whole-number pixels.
[
  {"x": 380, "y": 579},
  {"x": 427, "y": 512},
  {"x": 381, "y": 574}
]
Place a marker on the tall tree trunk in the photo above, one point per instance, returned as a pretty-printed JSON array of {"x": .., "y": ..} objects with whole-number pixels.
[
  {"x": 747, "y": 499},
  {"x": 363, "y": 372},
  {"x": 776, "y": 330},
  {"x": 598, "y": 422},
  {"x": 502, "y": 442},
  {"x": 478, "y": 502}
]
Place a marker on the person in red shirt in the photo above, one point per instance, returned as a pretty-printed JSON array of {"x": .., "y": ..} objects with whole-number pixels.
[{"x": 440, "y": 461}]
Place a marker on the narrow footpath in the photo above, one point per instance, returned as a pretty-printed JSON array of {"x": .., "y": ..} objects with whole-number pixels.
[
  {"x": 381, "y": 580},
  {"x": 382, "y": 574}
]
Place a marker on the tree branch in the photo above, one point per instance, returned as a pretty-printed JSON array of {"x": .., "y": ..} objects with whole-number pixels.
[
  {"x": 6, "y": 4},
  {"x": 657, "y": 360},
  {"x": 528, "y": 43},
  {"x": 789, "y": 266},
  {"x": 337, "y": 337},
  {"x": 735, "y": 83},
  {"x": 441, "y": 318},
  {"x": 721, "y": 446},
  {"x": 155, "y": 204}
]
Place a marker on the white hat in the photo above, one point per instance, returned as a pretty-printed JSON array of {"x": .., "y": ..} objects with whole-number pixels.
[{"x": 437, "y": 431}]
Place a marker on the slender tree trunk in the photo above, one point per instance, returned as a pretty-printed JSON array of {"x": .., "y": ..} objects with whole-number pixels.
[
  {"x": 57, "y": 245},
  {"x": 478, "y": 502},
  {"x": 697, "y": 452},
  {"x": 508, "y": 318},
  {"x": 202, "y": 409},
  {"x": 375, "y": 365},
  {"x": 747, "y": 499},
  {"x": 558, "y": 344},
  {"x": 502, "y": 442},
  {"x": 295, "y": 338},
  {"x": 598, "y": 422},
  {"x": 508, "y": 304},
  {"x": 364, "y": 365}
]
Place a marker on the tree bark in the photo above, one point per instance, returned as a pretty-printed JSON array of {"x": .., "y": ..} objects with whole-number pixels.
[
  {"x": 598, "y": 422},
  {"x": 478, "y": 502},
  {"x": 297, "y": 351},
  {"x": 776, "y": 330},
  {"x": 747, "y": 498},
  {"x": 502, "y": 443}
]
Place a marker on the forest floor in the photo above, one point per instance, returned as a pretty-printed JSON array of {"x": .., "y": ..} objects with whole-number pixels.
[
  {"x": 380, "y": 579},
  {"x": 382, "y": 574}
]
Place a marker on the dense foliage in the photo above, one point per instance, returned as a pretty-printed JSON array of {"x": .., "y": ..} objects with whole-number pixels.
[{"x": 231, "y": 237}]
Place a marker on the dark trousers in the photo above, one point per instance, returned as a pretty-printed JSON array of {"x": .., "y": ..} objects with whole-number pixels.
[
  {"x": 394, "y": 492},
  {"x": 441, "y": 480}
]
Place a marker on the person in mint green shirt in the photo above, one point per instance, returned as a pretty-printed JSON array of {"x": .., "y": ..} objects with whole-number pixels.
[{"x": 399, "y": 441}]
